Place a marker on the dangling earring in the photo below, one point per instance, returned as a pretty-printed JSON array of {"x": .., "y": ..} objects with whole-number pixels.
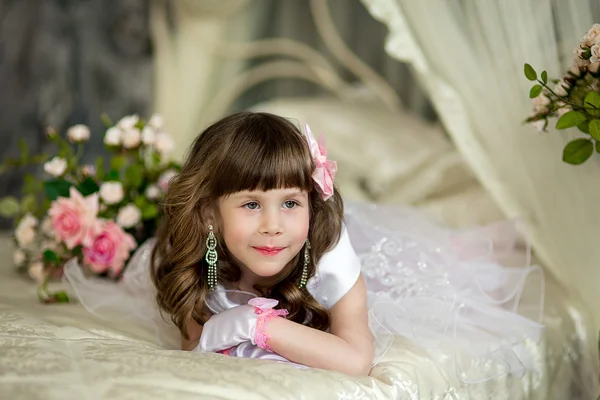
[
  {"x": 306, "y": 262},
  {"x": 211, "y": 258}
]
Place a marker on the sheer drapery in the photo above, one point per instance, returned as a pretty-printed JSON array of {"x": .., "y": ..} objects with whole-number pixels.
[
  {"x": 469, "y": 57},
  {"x": 187, "y": 73},
  {"x": 211, "y": 57}
]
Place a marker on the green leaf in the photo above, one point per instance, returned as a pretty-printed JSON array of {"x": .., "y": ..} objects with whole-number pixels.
[
  {"x": 595, "y": 129},
  {"x": 570, "y": 119},
  {"x": 106, "y": 120},
  {"x": 578, "y": 151},
  {"x": 65, "y": 149},
  {"x": 57, "y": 188},
  {"x": 530, "y": 72},
  {"x": 38, "y": 158},
  {"x": 140, "y": 202},
  {"x": 61, "y": 297},
  {"x": 24, "y": 150},
  {"x": 30, "y": 184},
  {"x": 77, "y": 251},
  {"x": 112, "y": 176},
  {"x": 50, "y": 257},
  {"x": 28, "y": 204},
  {"x": 100, "y": 168},
  {"x": 134, "y": 176},
  {"x": 118, "y": 162},
  {"x": 592, "y": 103},
  {"x": 535, "y": 91},
  {"x": 544, "y": 77},
  {"x": 9, "y": 207},
  {"x": 149, "y": 212},
  {"x": 156, "y": 158},
  {"x": 584, "y": 126},
  {"x": 88, "y": 186},
  {"x": 597, "y": 147}
]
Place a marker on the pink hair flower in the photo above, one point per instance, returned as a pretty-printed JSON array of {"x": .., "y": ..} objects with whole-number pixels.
[{"x": 325, "y": 169}]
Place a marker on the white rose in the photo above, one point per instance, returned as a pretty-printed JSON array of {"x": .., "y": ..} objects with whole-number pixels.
[
  {"x": 25, "y": 232},
  {"x": 595, "y": 53},
  {"x": 112, "y": 137},
  {"x": 592, "y": 37},
  {"x": 56, "y": 167},
  {"x": 540, "y": 103},
  {"x": 578, "y": 57},
  {"x": 88, "y": 170},
  {"x": 164, "y": 178},
  {"x": 131, "y": 138},
  {"x": 157, "y": 122},
  {"x": 36, "y": 272},
  {"x": 563, "y": 109},
  {"x": 561, "y": 88},
  {"x": 51, "y": 132},
  {"x": 128, "y": 122},
  {"x": 575, "y": 71},
  {"x": 163, "y": 143},
  {"x": 78, "y": 133},
  {"x": 111, "y": 192},
  {"x": 539, "y": 125},
  {"x": 47, "y": 228},
  {"x": 50, "y": 245},
  {"x": 148, "y": 135},
  {"x": 129, "y": 216},
  {"x": 19, "y": 257},
  {"x": 152, "y": 192}
]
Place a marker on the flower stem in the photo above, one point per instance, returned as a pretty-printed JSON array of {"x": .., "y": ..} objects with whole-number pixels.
[{"x": 561, "y": 98}]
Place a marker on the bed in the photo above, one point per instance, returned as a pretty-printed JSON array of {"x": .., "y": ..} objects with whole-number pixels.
[{"x": 62, "y": 352}]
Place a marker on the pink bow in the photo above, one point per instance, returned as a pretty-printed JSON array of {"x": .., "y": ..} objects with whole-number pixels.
[
  {"x": 324, "y": 169},
  {"x": 263, "y": 303}
]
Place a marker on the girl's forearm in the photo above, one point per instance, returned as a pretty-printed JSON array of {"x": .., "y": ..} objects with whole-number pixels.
[{"x": 318, "y": 349}]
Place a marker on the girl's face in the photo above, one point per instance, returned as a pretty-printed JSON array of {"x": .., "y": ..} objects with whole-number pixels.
[{"x": 264, "y": 230}]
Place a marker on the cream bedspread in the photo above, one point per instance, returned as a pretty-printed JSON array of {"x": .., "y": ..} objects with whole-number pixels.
[{"x": 62, "y": 352}]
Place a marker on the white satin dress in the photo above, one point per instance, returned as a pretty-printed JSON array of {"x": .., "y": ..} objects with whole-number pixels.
[{"x": 451, "y": 292}]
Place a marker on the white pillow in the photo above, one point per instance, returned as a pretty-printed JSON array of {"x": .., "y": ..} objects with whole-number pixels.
[{"x": 380, "y": 154}]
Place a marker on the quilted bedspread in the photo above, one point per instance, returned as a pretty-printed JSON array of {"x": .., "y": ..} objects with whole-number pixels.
[{"x": 62, "y": 352}]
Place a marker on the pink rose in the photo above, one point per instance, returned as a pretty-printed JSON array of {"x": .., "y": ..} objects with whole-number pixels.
[
  {"x": 110, "y": 249},
  {"x": 74, "y": 218}
]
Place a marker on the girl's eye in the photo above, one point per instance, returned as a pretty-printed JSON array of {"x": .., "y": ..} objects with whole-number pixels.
[
  {"x": 290, "y": 204},
  {"x": 251, "y": 206}
]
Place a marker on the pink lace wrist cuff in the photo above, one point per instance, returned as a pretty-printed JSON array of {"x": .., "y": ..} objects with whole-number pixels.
[{"x": 265, "y": 313}]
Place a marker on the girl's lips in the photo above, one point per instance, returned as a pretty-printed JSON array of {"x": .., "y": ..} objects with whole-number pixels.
[{"x": 269, "y": 251}]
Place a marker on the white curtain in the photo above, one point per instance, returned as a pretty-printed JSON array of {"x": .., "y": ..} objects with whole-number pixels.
[
  {"x": 188, "y": 74},
  {"x": 211, "y": 56},
  {"x": 469, "y": 56}
]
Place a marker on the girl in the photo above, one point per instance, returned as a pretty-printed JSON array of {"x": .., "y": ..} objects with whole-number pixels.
[
  {"x": 254, "y": 221},
  {"x": 247, "y": 198}
]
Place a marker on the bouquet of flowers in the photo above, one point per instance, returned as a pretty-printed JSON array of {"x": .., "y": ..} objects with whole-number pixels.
[
  {"x": 574, "y": 99},
  {"x": 98, "y": 213}
]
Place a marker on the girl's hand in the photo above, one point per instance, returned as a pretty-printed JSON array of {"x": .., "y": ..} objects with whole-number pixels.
[
  {"x": 249, "y": 350},
  {"x": 239, "y": 324}
]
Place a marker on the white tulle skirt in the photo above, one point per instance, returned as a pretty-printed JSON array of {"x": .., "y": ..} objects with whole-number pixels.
[{"x": 470, "y": 298}]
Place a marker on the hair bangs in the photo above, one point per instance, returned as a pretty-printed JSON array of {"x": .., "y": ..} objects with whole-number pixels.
[{"x": 266, "y": 156}]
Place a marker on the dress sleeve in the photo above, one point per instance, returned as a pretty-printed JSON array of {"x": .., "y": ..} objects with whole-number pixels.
[{"x": 337, "y": 272}]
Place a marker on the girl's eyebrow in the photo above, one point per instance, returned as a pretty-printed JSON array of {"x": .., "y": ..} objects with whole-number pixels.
[{"x": 258, "y": 193}]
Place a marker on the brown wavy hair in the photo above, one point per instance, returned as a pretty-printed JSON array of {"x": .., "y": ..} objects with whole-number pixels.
[{"x": 243, "y": 151}]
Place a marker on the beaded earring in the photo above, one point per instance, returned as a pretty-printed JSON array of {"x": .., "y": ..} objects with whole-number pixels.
[
  {"x": 305, "y": 268},
  {"x": 211, "y": 258}
]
